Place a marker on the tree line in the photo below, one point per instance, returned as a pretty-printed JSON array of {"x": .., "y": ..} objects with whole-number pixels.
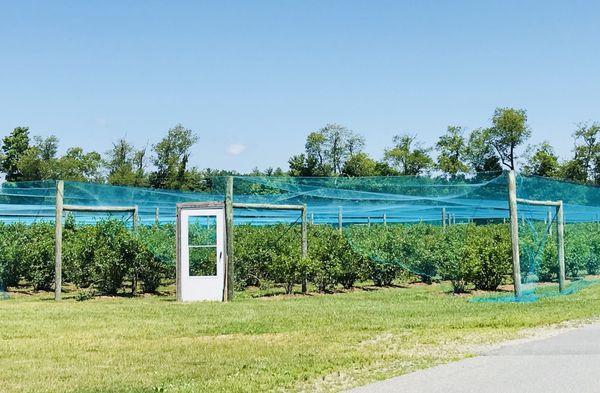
[{"x": 333, "y": 150}]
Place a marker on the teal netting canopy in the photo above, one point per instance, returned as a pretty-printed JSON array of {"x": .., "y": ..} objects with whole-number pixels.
[
  {"x": 403, "y": 199},
  {"x": 474, "y": 207}
]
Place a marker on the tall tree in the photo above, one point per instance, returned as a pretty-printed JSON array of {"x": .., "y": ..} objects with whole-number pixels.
[
  {"x": 542, "y": 161},
  {"x": 48, "y": 146},
  {"x": 306, "y": 166},
  {"x": 39, "y": 161},
  {"x": 139, "y": 166},
  {"x": 76, "y": 165},
  {"x": 14, "y": 147},
  {"x": 452, "y": 149},
  {"x": 172, "y": 154},
  {"x": 408, "y": 156},
  {"x": 360, "y": 164},
  {"x": 125, "y": 164},
  {"x": 326, "y": 151},
  {"x": 509, "y": 130},
  {"x": 340, "y": 144},
  {"x": 587, "y": 151},
  {"x": 480, "y": 154},
  {"x": 315, "y": 147}
]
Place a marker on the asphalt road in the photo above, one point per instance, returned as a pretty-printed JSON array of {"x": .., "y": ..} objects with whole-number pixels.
[{"x": 567, "y": 362}]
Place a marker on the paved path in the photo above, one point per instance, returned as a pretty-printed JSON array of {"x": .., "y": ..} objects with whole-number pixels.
[{"x": 567, "y": 362}]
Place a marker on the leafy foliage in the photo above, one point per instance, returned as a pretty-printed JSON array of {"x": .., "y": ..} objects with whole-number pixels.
[{"x": 107, "y": 257}]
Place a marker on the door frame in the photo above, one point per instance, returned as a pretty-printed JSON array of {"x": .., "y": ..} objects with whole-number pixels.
[{"x": 219, "y": 208}]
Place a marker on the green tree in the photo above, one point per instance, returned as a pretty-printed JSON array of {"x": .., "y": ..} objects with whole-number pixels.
[
  {"x": 306, "y": 166},
  {"x": 125, "y": 165},
  {"x": 340, "y": 144},
  {"x": 326, "y": 151},
  {"x": 39, "y": 160},
  {"x": 452, "y": 149},
  {"x": 574, "y": 170},
  {"x": 76, "y": 165},
  {"x": 14, "y": 147},
  {"x": 407, "y": 156},
  {"x": 587, "y": 150},
  {"x": 360, "y": 164},
  {"x": 542, "y": 161},
  {"x": 171, "y": 158},
  {"x": 315, "y": 147},
  {"x": 509, "y": 130},
  {"x": 48, "y": 147},
  {"x": 480, "y": 154}
]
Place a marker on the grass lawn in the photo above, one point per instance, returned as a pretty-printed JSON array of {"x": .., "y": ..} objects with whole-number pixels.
[{"x": 320, "y": 342}]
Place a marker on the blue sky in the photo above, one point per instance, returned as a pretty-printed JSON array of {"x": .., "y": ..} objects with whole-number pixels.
[{"x": 253, "y": 78}]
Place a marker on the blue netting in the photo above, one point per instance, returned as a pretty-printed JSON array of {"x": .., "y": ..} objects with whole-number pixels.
[{"x": 407, "y": 205}]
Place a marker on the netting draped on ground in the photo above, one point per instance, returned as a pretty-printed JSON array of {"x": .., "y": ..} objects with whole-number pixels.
[{"x": 413, "y": 222}]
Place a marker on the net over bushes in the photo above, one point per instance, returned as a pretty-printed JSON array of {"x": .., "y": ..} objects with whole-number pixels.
[{"x": 372, "y": 228}]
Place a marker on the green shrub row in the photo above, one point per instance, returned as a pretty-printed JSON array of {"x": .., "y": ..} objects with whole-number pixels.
[
  {"x": 108, "y": 256},
  {"x": 104, "y": 256}
]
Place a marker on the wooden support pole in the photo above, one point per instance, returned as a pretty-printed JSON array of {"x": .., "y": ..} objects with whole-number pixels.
[
  {"x": 156, "y": 216},
  {"x": 514, "y": 231},
  {"x": 60, "y": 189},
  {"x": 560, "y": 218},
  {"x": 135, "y": 218},
  {"x": 443, "y": 217},
  {"x": 229, "y": 266},
  {"x": 340, "y": 220},
  {"x": 304, "y": 247}
]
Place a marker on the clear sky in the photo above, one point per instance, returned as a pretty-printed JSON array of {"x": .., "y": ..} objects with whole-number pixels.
[{"x": 252, "y": 78}]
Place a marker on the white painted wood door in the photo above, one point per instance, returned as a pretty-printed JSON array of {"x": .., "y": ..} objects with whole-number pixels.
[{"x": 202, "y": 254}]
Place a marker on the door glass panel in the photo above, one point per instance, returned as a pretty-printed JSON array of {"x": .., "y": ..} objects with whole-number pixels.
[
  {"x": 202, "y": 230},
  {"x": 202, "y": 245},
  {"x": 203, "y": 261}
]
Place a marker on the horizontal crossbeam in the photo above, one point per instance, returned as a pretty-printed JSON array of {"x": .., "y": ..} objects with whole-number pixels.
[
  {"x": 80, "y": 208},
  {"x": 539, "y": 203}
]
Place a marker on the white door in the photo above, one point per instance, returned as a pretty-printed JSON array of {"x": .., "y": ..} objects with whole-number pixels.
[{"x": 202, "y": 261}]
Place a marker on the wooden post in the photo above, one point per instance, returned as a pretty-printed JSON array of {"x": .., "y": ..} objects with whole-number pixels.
[
  {"x": 304, "y": 234},
  {"x": 304, "y": 247},
  {"x": 384, "y": 219},
  {"x": 229, "y": 267},
  {"x": 514, "y": 231},
  {"x": 443, "y": 217},
  {"x": 340, "y": 220},
  {"x": 135, "y": 218},
  {"x": 60, "y": 189},
  {"x": 156, "y": 217},
  {"x": 560, "y": 218}
]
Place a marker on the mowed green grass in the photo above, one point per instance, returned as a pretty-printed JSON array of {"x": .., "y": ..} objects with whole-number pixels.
[{"x": 310, "y": 343}]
